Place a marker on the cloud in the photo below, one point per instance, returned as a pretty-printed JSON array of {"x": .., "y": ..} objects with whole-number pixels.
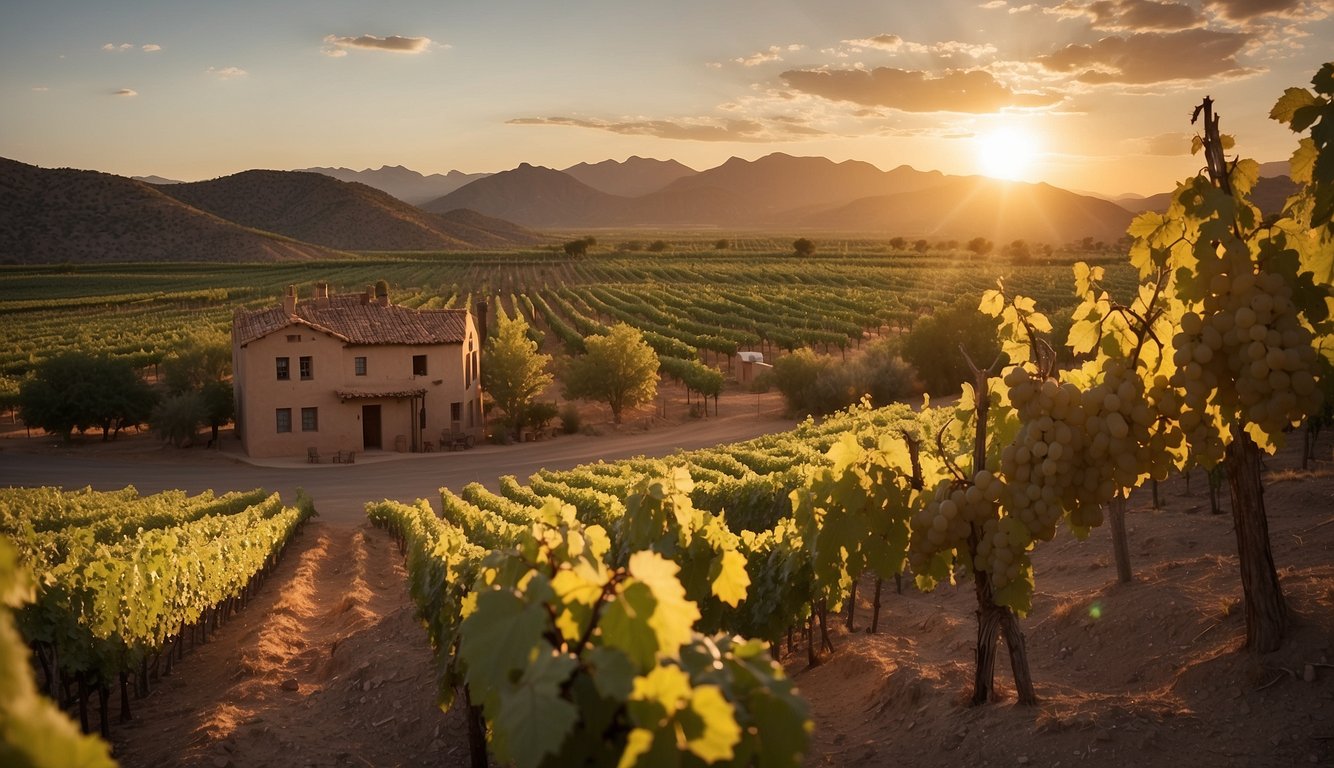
[
  {"x": 227, "y": 73},
  {"x": 914, "y": 91},
  {"x": 1163, "y": 145},
  {"x": 1152, "y": 57},
  {"x": 993, "y": 5},
  {"x": 40, "y": 89},
  {"x": 774, "y": 53},
  {"x": 772, "y": 128},
  {"x": 151, "y": 48},
  {"x": 337, "y": 46},
  {"x": 1131, "y": 15},
  {"x": 1243, "y": 10},
  {"x": 725, "y": 130},
  {"x": 112, "y": 47},
  {"x": 879, "y": 42},
  {"x": 124, "y": 92}
]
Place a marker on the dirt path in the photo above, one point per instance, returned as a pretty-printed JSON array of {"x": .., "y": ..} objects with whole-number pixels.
[{"x": 327, "y": 667}]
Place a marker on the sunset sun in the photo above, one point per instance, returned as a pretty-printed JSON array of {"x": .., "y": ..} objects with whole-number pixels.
[{"x": 1006, "y": 153}]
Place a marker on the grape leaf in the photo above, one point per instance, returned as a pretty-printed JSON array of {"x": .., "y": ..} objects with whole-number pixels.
[
  {"x": 716, "y": 731},
  {"x": 1285, "y": 109},
  {"x": 533, "y": 718},
  {"x": 729, "y": 578},
  {"x": 499, "y": 636},
  {"x": 624, "y": 624}
]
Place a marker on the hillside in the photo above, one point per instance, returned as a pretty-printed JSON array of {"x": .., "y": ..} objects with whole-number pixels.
[
  {"x": 998, "y": 210},
  {"x": 535, "y": 196},
  {"x": 632, "y": 178},
  {"x": 349, "y": 216},
  {"x": 780, "y": 191},
  {"x": 1269, "y": 195},
  {"x": 66, "y": 215},
  {"x": 404, "y": 183}
]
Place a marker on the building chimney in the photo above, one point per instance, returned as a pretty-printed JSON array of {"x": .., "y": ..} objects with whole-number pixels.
[
  {"x": 289, "y": 301},
  {"x": 382, "y": 292},
  {"x": 481, "y": 322},
  {"x": 369, "y": 295},
  {"x": 321, "y": 294}
]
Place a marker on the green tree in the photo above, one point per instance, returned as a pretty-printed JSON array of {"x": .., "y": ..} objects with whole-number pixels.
[
  {"x": 513, "y": 371},
  {"x": 78, "y": 391},
  {"x": 803, "y": 247},
  {"x": 202, "y": 365},
  {"x": 620, "y": 369},
  {"x": 898, "y": 243},
  {"x": 981, "y": 246},
  {"x": 176, "y": 418},
  {"x": 932, "y": 347}
]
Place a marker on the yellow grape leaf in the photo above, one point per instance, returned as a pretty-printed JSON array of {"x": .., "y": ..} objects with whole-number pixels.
[
  {"x": 729, "y": 577},
  {"x": 718, "y": 732},
  {"x": 992, "y": 302},
  {"x": 1285, "y": 109}
]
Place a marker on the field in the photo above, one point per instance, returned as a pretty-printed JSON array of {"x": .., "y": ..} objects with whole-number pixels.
[{"x": 750, "y": 295}]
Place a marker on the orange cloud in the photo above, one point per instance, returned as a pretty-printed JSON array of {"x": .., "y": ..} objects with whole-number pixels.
[
  {"x": 914, "y": 91},
  {"x": 1152, "y": 57}
]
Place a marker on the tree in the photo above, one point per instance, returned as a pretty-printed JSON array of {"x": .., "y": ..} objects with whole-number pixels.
[
  {"x": 657, "y": 246},
  {"x": 202, "y": 364},
  {"x": 176, "y": 418},
  {"x": 933, "y": 345},
  {"x": 921, "y": 246},
  {"x": 620, "y": 369},
  {"x": 981, "y": 246},
  {"x": 898, "y": 243},
  {"x": 78, "y": 391},
  {"x": 513, "y": 371},
  {"x": 578, "y": 247},
  {"x": 722, "y": 245},
  {"x": 803, "y": 247}
]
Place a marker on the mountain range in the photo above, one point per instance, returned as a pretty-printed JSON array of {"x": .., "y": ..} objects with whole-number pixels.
[
  {"x": 786, "y": 193},
  {"x": 70, "y": 215},
  {"x": 85, "y": 216}
]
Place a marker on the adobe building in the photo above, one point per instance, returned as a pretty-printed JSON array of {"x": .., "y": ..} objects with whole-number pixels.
[{"x": 353, "y": 372}]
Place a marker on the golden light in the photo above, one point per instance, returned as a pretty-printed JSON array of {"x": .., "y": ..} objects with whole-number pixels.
[{"x": 1006, "y": 153}]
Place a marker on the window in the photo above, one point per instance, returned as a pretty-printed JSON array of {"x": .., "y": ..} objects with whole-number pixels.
[
  {"x": 293, "y": 337},
  {"x": 307, "y": 369},
  {"x": 284, "y": 368},
  {"x": 419, "y": 365},
  {"x": 310, "y": 419},
  {"x": 284, "y": 419},
  {"x": 359, "y": 366},
  {"x": 455, "y": 411}
]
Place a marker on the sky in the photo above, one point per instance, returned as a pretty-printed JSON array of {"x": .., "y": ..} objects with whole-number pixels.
[{"x": 1090, "y": 95}]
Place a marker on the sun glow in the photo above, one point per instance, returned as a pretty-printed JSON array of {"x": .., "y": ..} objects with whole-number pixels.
[{"x": 1006, "y": 153}]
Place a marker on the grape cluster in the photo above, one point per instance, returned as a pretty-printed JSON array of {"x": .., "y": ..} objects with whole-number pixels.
[
  {"x": 1245, "y": 350},
  {"x": 947, "y": 520}
]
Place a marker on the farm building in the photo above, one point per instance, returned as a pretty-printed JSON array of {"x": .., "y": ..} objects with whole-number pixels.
[{"x": 335, "y": 375}]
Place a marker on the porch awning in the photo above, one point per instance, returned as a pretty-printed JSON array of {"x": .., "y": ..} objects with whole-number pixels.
[{"x": 388, "y": 393}]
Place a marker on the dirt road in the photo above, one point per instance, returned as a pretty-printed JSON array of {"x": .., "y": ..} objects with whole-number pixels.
[{"x": 340, "y": 491}]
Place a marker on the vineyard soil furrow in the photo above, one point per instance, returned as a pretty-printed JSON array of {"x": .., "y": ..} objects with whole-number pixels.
[{"x": 327, "y": 667}]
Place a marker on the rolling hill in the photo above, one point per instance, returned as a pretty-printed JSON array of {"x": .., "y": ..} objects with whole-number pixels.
[
  {"x": 347, "y": 216},
  {"x": 1269, "y": 195},
  {"x": 535, "y": 196},
  {"x": 66, "y": 215},
  {"x": 963, "y": 207}
]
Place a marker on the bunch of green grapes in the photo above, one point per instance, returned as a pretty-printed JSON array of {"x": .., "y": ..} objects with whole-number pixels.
[
  {"x": 1244, "y": 349},
  {"x": 946, "y": 521}
]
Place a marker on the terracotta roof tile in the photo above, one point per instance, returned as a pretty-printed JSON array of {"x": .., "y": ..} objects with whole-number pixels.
[{"x": 354, "y": 321}]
